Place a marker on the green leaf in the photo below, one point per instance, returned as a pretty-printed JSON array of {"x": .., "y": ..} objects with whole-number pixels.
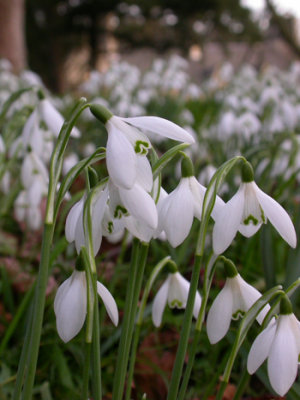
[{"x": 167, "y": 157}]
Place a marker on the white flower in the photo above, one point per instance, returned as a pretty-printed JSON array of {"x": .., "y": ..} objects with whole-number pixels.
[
  {"x": 280, "y": 344},
  {"x": 179, "y": 208},
  {"x": 236, "y": 297},
  {"x": 175, "y": 291},
  {"x": 70, "y": 305},
  {"x": 135, "y": 202},
  {"x": 248, "y": 209},
  {"x": 74, "y": 229},
  {"x": 125, "y": 143},
  {"x": 53, "y": 118}
]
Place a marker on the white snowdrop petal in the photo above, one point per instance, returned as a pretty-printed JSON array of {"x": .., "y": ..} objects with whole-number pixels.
[
  {"x": 34, "y": 218},
  {"x": 98, "y": 210},
  {"x": 70, "y": 308},
  {"x": 138, "y": 139},
  {"x": 198, "y": 192},
  {"x": 79, "y": 233},
  {"x": 178, "y": 291},
  {"x": 177, "y": 213},
  {"x": 278, "y": 217},
  {"x": 249, "y": 230},
  {"x": 72, "y": 220},
  {"x": 227, "y": 222},
  {"x": 28, "y": 127},
  {"x": 109, "y": 302},
  {"x": 138, "y": 229},
  {"x": 144, "y": 173},
  {"x": 249, "y": 295},
  {"x": 140, "y": 205},
  {"x": 219, "y": 315},
  {"x": 162, "y": 127},
  {"x": 283, "y": 357},
  {"x": 121, "y": 159},
  {"x": 51, "y": 116},
  {"x": 159, "y": 303},
  {"x": 261, "y": 347}
]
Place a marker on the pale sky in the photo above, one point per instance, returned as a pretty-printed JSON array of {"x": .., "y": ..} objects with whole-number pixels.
[{"x": 283, "y": 6}]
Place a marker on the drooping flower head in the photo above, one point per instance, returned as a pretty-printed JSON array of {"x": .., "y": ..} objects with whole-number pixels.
[
  {"x": 126, "y": 142},
  {"x": 280, "y": 344},
  {"x": 248, "y": 209},
  {"x": 178, "y": 209},
  {"x": 174, "y": 291},
  {"x": 70, "y": 305},
  {"x": 236, "y": 297}
]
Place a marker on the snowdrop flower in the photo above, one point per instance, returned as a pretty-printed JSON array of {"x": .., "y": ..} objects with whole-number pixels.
[
  {"x": 74, "y": 229},
  {"x": 248, "y": 209},
  {"x": 70, "y": 305},
  {"x": 27, "y": 211},
  {"x": 179, "y": 208},
  {"x": 135, "y": 201},
  {"x": 175, "y": 291},
  {"x": 280, "y": 344},
  {"x": 236, "y": 297},
  {"x": 125, "y": 142}
]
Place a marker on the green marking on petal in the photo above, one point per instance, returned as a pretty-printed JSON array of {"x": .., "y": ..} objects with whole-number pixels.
[
  {"x": 35, "y": 172},
  {"x": 238, "y": 314},
  {"x": 262, "y": 215},
  {"x": 141, "y": 147},
  {"x": 110, "y": 227},
  {"x": 176, "y": 303},
  {"x": 252, "y": 219},
  {"x": 120, "y": 211}
]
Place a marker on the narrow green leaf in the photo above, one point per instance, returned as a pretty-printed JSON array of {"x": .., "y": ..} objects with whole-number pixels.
[{"x": 167, "y": 157}]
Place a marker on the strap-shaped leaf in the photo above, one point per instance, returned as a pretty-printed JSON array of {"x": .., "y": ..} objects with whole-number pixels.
[{"x": 167, "y": 157}]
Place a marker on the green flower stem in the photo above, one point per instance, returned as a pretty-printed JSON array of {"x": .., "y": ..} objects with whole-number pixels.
[
  {"x": 23, "y": 359},
  {"x": 96, "y": 361},
  {"x": 244, "y": 327},
  {"x": 86, "y": 371},
  {"x": 208, "y": 276},
  {"x": 134, "y": 346},
  {"x": 185, "y": 331},
  {"x": 156, "y": 270},
  {"x": 38, "y": 311},
  {"x": 221, "y": 390},
  {"x": 138, "y": 261}
]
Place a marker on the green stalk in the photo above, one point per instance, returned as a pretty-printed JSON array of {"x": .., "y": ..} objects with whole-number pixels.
[
  {"x": 86, "y": 371},
  {"x": 208, "y": 276},
  {"x": 22, "y": 362},
  {"x": 156, "y": 270},
  {"x": 138, "y": 261},
  {"x": 185, "y": 331},
  {"x": 38, "y": 311},
  {"x": 96, "y": 361}
]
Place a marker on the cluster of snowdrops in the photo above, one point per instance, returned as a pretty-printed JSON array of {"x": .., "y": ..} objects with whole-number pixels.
[{"x": 130, "y": 201}]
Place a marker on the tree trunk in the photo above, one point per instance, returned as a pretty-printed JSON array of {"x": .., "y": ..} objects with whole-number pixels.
[{"x": 12, "y": 33}]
